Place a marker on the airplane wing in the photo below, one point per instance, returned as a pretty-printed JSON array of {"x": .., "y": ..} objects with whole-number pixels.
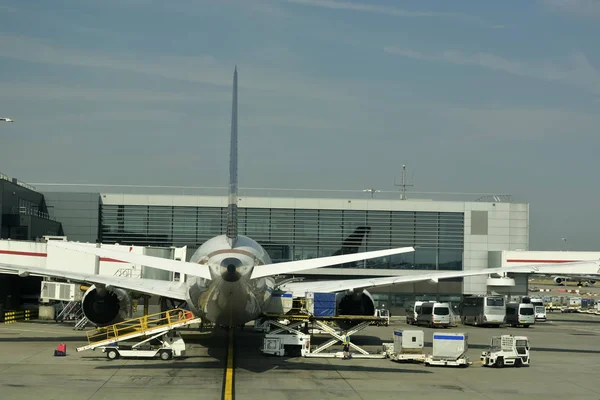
[
  {"x": 166, "y": 264},
  {"x": 173, "y": 290},
  {"x": 300, "y": 288},
  {"x": 302, "y": 265}
]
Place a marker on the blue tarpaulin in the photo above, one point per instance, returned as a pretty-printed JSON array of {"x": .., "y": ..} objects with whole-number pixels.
[{"x": 324, "y": 304}]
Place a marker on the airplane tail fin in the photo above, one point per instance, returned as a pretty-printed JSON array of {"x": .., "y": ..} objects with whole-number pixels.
[{"x": 232, "y": 225}]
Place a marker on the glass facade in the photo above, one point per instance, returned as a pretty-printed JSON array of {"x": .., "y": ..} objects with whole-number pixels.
[{"x": 295, "y": 234}]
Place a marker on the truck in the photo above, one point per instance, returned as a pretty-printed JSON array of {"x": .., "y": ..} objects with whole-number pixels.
[{"x": 507, "y": 350}]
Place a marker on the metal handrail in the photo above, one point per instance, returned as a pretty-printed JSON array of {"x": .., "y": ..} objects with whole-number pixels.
[{"x": 162, "y": 319}]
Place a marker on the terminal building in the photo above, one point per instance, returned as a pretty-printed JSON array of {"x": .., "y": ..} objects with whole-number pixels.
[
  {"x": 24, "y": 215},
  {"x": 447, "y": 235}
]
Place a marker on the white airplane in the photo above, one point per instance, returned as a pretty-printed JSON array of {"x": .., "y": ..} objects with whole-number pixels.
[
  {"x": 562, "y": 280},
  {"x": 6, "y": 119},
  {"x": 230, "y": 278}
]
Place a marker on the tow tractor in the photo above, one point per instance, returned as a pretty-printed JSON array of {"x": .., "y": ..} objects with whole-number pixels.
[
  {"x": 383, "y": 315},
  {"x": 507, "y": 350}
]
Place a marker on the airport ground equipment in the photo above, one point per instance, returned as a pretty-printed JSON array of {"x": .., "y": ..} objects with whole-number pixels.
[
  {"x": 507, "y": 350},
  {"x": 337, "y": 338},
  {"x": 286, "y": 345},
  {"x": 142, "y": 329},
  {"x": 407, "y": 346},
  {"x": 449, "y": 349},
  {"x": 384, "y": 317},
  {"x": 286, "y": 340},
  {"x": 299, "y": 326},
  {"x": 171, "y": 345}
]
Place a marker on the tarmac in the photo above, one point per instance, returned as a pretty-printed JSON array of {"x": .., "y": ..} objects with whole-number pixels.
[{"x": 565, "y": 354}]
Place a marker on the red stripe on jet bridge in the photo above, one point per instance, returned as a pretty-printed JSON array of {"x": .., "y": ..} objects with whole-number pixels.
[
  {"x": 23, "y": 253},
  {"x": 542, "y": 261},
  {"x": 106, "y": 259},
  {"x": 33, "y": 254}
]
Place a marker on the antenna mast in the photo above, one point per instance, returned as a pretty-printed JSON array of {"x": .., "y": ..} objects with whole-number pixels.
[{"x": 403, "y": 185}]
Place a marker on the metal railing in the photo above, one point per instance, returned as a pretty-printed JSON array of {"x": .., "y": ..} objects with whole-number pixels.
[
  {"x": 22, "y": 210},
  {"x": 16, "y": 181},
  {"x": 135, "y": 325}
]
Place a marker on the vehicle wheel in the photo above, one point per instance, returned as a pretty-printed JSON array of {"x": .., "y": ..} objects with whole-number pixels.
[
  {"x": 112, "y": 354},
  {"x": 526, "y": 326},
  {"x": 518, "y": 363},
  {"x": 500, "y": 362},
  {"x": 165, "y": 355}
]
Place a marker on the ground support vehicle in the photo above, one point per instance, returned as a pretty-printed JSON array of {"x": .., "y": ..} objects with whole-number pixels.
[{"x": 507, "y": 350}]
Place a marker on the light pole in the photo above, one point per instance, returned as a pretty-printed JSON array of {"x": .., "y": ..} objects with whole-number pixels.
[
  {"x": 6, "y": 119},
  {"x": 372, "y": 191}
]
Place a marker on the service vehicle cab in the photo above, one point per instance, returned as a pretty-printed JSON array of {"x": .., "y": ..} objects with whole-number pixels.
[{"x": 507, "y": 350}]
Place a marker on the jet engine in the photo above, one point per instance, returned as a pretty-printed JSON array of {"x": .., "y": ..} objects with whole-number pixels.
[
  {"x": 106, "y": 306},
  {"x": 355, "y": 302},
  {"x": 559, "y": 280}
]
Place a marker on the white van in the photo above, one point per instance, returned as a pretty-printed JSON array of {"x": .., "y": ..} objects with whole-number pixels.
[
  {"x": 434, "y": 314},
  {"x": 539, "y": 309},
  {"x": 520, "y": 314},
  {"x": 412, "y": 310}
]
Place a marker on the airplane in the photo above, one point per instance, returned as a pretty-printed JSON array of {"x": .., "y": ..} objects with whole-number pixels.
[
  {"x": 562, "y": 280},
  {"x": 230, "y": 278},
  {"x": 6, "y": 119}
]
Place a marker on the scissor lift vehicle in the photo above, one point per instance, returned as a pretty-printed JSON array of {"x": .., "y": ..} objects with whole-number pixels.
[
  {"x": 293, "y": 336},
  {"x": 160, "y": 327}
]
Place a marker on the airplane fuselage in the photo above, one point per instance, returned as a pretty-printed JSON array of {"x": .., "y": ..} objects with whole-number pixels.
[{"x": 230, "y": 298}]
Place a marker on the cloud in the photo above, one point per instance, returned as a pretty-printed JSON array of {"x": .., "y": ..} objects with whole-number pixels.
[
  {"x": 581, "y": 8},
  {"x": 509, "y": 123},
  {"x": 201, "y": 69},
  {"x": 61, "y": 92},
  {"x": 577, "y": 71},
  {"x": 386, "y": 10}
]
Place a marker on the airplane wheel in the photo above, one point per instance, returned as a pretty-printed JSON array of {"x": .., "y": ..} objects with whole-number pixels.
[{"x": 112, "y": 354}]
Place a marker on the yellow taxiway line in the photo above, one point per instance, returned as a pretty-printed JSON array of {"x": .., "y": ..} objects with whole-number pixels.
[{"x": 228, "y": 386}]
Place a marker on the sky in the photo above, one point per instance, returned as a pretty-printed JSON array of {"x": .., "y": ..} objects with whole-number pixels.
[{"x": 474, "y": 97}]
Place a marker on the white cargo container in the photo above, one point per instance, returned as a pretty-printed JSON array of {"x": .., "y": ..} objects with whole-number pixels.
[
  {"x": 407, "y": 346},
  {"x": 575, "y": 301},
  {"x": 408, "y": 341},
  {"x": 449, "y": 345},
  {"x": 449, "y": 349}
]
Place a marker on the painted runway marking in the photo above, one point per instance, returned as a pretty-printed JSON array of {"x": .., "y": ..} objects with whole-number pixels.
[{"x": 228, "y": 392}]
